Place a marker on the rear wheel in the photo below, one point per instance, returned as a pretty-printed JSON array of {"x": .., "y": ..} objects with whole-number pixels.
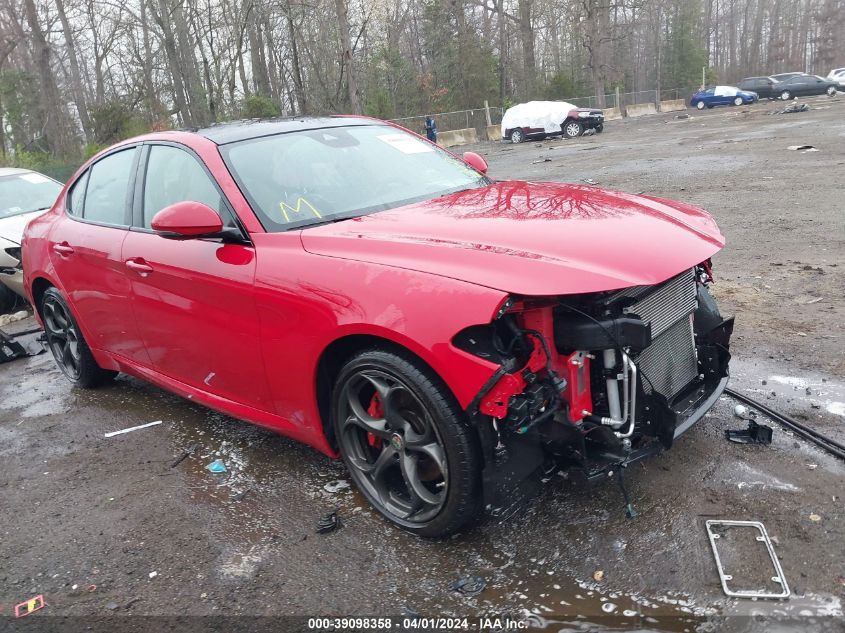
[
  {"x": 571, "y": 129},
  {"x": 517, "y": 135},
  {"x": 405, "y": 443},
  {"x": 600, "y": 128},
  {"x": 738, "y": 101},
  {"x": 65, "y": 340}
]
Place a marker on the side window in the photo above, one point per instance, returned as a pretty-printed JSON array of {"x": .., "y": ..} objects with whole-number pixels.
[
  {"x": 77, "y": 195},
  {"x": 108, "y": 183},
  {"x": 174, "y": 175}
]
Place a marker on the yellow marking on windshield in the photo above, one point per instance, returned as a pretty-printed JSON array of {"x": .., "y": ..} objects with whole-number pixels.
[{"x": 300, "y": 202}]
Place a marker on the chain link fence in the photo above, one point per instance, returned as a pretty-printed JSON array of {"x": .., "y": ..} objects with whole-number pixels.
[
  {"x": 457, "y": 120},
  {"x": 477, "y": 118}
]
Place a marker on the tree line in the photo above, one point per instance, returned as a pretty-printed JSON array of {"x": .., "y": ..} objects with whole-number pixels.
[{"x": 79, "y": 74}]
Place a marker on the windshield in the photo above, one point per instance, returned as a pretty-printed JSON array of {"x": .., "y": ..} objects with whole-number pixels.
[
  {"x": 25, "y": 193},
  {"x": 316, "y": 176}
]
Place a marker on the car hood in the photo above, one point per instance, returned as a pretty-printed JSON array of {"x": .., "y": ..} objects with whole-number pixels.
[
  {"x": 530, "y": 238},
  {"x": 11, "y": 228}
]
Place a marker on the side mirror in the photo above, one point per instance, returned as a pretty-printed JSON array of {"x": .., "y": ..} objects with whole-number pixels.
[
  {"x": 186, "y": 220},
  {"x": 475, "y": 161}
]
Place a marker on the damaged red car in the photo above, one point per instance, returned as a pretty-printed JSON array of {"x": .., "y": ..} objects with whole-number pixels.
[{"x": 351, "y": 285}]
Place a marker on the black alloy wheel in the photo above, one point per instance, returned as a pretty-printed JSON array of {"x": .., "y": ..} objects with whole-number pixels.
[
  {"x": 405, "y": 444},
  {"x": 65, "y": 340}
]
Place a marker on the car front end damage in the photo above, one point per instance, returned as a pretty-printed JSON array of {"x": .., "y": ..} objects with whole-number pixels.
[{"x": 594, "y": 381}]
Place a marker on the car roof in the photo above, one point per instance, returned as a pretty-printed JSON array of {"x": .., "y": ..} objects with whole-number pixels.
[{"x": 223, "y": 133}]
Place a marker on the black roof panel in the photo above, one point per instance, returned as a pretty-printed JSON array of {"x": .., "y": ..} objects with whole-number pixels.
[{"x": 234, "y": 131}]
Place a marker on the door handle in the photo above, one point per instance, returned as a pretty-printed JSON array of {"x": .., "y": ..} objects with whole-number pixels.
[
  {"x": 63, "y": 249},
  {"x": 139, "y": 266}
]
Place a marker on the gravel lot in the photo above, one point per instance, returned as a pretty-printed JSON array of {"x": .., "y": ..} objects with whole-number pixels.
[{"x": 81, "y": 510}]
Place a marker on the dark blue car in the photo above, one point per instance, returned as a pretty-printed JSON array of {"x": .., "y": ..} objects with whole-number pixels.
[{"x": 722, "y": 95}]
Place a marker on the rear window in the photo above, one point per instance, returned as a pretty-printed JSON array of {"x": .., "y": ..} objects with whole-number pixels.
[{"x": 108, "y": 186}]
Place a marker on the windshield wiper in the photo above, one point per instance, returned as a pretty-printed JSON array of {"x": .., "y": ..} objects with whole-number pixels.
[{"x": 328, "y": 221}]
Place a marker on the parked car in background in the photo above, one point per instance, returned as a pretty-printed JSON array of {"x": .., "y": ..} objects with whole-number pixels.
[
  {"x": 356, "y": 287},
  {"x": 721, "y": 95},
  {"x": 24, "y": 195},
  {"x": 765, "y": 87},
  {"x": 806, "y": 86},
  {"x": 541, "y": 119},
  {"x": 838, "y": 75}
]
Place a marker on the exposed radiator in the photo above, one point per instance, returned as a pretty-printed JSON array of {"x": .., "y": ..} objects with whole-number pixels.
[{"x": 670, "y": 363}]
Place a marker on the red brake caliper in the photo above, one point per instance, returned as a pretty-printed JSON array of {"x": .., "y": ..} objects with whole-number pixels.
[{"x": 377, "y": 411}]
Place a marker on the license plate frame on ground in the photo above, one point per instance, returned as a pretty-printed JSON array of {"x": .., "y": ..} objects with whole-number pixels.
[{"x": 762, "y": 537}]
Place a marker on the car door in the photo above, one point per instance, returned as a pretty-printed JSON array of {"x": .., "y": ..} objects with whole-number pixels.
[
  {"x": 85, "y": 250},
  {"x": 799, "y": 86},
  {"x": 193, "y": 298}
]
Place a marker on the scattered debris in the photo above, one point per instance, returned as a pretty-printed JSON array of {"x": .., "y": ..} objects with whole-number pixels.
[
  {"x": 130, "y": 602},
  {"x": 598, "y": 575},
  {"x": 812, "y": 466},
  {"x": 132, "y": 428},
  {"x": 329, "y": 523},
  {"x": 111, "y": 606},
  {"x": 469, "y": 585},
  {"x": 588, "y": 132},
  {"x": 91, "y": 588},
  {"x": 715, "y": 531},
  {"x": 682, "y": 116},
  {"x": 30, "y": 606},
  {"x": 9, "y": 348},
  {"x": 5, "y": 319},
  {"x": 241, "y": 494},
  {"x": 185, "y": 454},
  {"x": 792, "y": 108},
  {"x": 153, "y": 574},
  {"x": 815, "y": 518},
  {"x": 217, "y": 466},
  {"x": 336, "y": 486},
  {"x": 590, "y": 181},
  {"x": 802, "y": 148},
  {"x": 754, "y": 434},
  {"x": 541, "y": 160}
]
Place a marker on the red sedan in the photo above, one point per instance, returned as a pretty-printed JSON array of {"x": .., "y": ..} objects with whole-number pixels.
[{"x": 353, "y": 286}]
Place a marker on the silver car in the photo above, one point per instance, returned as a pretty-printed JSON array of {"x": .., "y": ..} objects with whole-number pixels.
[{"x": 24, "y": 195}]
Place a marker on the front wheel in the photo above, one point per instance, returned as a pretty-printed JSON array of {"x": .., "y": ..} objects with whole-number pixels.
[
  {"x": 405, "y": 443},
  {"x": 700, "y": 105},
  {"x": 65, "y": 340},
  {"x": 571, "y": 129},
  {"x": 831, "y": 91},
  {"x": 517, "y": 136},
  {"x": 785, "y": 96}
]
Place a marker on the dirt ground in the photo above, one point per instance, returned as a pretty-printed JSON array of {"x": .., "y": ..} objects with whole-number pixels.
[{"x": 82, "y": 512}]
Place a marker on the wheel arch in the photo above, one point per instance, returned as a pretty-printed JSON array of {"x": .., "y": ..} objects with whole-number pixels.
[
  {"x": 339, "y": 351},
  {"x": 39, "y": 287}
]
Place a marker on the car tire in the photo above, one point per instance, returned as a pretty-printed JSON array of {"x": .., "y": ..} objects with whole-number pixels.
[
  {"x": 573, "y": 129},
  {"x": 406, "y": 443},
  {"x": 65, "y": 341},
  {"x": 785, "y": 96},
  {"x": 8, "y": 299},
  {"x": 831, "y": 91},
  {"x": 517, "y": 135},
  {"x": 700, "y": 105},
  {"x": 600, "y": 128},
  {"x": 738, "y": 101}
]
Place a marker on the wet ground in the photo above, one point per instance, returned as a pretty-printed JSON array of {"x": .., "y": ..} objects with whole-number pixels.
[{"x": 114, "y": 515}]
